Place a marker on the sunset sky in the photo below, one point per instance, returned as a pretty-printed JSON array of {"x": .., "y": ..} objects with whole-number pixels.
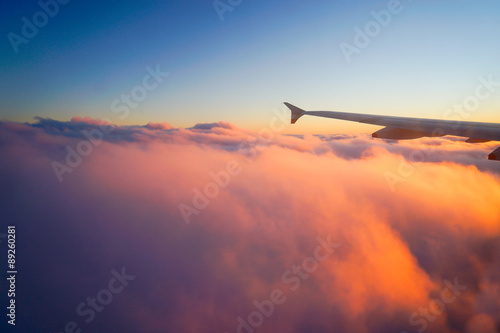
[
  {"x": 156, "y": 184},
  {"x": 427, "y": 58}
]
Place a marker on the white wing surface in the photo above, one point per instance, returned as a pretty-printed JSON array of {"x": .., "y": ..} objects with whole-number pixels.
[{"x": 404, "y": 128}]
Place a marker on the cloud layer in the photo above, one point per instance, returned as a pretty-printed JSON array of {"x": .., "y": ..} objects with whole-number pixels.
[{"x": 213, "y": 219}]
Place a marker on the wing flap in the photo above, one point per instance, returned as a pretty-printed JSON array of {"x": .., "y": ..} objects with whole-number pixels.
[
  {"x": 495, "y": 155},
  {"x": 475, "y": 140},
  {"x": 401, "y": 134}
]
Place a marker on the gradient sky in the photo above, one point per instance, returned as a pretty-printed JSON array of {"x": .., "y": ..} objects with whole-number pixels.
[
  {"x": 242, "y": 68},
  {"x": 212, "y": 214}
]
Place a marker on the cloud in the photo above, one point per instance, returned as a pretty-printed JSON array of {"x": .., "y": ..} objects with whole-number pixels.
[
  {"x": 85, "y": 120},
  {"x": 158, "y": 126},
  {"x": 119, "y": 207}
]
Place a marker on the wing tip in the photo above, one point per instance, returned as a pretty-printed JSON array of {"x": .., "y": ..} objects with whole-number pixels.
[{"x": 296, "y": 112}]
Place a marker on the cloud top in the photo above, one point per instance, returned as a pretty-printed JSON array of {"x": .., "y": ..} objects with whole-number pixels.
[{"x": 421, "y": 254}]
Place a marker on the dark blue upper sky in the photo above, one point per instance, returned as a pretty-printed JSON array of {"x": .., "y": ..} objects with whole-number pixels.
[{"x": 426, "y": 58}]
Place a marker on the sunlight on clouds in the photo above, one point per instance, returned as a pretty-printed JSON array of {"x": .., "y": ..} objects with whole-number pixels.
[{"x": 396, "y": 247}]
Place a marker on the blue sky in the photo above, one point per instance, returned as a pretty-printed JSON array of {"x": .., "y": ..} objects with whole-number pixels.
[{"x": 428, "y": 58}]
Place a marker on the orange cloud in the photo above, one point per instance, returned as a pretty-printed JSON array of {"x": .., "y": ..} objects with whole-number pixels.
[{"x": 397, "y": 245}]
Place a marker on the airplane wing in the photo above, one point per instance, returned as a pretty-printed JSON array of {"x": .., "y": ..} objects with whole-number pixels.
[{"x": 404, "y": 128}]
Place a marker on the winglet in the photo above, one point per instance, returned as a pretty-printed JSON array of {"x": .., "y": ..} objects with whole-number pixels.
[{"x": 296, "y": 112}]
